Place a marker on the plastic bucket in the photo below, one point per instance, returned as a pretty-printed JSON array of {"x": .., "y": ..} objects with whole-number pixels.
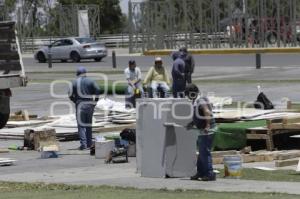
[{"x": 233, "y": 166}]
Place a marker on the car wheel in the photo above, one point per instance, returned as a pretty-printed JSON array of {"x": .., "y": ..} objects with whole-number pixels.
[
  {"x": 98, "y": 59},
  {"x": 41, "y": 57},
  {"x": 75, "y": 57}
]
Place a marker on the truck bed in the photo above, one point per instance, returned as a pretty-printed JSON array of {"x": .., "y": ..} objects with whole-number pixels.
[{"x": 12, "y": 72}]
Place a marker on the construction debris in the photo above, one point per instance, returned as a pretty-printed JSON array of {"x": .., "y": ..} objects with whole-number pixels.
[
  {"x": 109, "y": 116},
  {"x": 285, "y": 163},
  {"x": 38, "y": 139},
  {"x": 7, "y": 161},
  {"x": 4, "y": 151},
  {"x": 281, "y": 158}
]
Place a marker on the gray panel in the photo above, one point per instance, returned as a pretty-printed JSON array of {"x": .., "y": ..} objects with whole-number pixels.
[
  {"x": 181, "y": 152},
  {"x": 152, "y": 154}
]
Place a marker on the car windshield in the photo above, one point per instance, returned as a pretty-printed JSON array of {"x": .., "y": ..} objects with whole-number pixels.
[{"x": 85, "y": 40}]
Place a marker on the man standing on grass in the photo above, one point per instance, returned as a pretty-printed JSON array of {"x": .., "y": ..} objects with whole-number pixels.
[
  {"x": 85, "y": 95},
  {"x": 203, "y": 119}
]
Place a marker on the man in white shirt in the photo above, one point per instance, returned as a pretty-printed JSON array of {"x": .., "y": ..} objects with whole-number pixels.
[{"x": 134, "y": 78}]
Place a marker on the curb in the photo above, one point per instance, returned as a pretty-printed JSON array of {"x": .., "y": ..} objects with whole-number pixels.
[{"x": 227, "y": 51}]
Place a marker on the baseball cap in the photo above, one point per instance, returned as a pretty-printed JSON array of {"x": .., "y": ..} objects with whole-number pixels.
[{"x": 81, "y": 70}]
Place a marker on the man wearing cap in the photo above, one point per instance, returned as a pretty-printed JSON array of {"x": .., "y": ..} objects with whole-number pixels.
[
  {"x": 158, "y": 77},
  {"x": 85, "y": 94},
  {"x": 204, "y": 121},
  {"x": 189, "y": 64},
  {"x": 134, "y": 77}
]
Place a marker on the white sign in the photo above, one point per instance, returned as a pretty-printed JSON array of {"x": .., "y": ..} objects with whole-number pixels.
[{"x": 83, "y": 23}]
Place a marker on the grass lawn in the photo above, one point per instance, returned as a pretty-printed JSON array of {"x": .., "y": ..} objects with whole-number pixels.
[
  {"x": 53, "y": 191},
  {"x": 279, "y": 176}
]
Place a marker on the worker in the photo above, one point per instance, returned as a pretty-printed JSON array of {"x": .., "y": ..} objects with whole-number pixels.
[
  {"x": 204, "y": 121},
  {"x": 134, "y": 78},
  {"x": 189, "y": 64},
  {"x": 158, "y": 77},
  {"x": 85, "y": 94},
  {"x": 178, "y": 75}
]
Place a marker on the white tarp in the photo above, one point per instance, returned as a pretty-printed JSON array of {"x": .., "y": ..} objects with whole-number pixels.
[{"x": 106, "y": 104}]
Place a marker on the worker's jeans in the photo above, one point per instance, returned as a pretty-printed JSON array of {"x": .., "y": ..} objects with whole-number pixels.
[
  {"x": 130, "y": 95},
  {"x": 179, "y": 88},
  {"x": 130, "y": 90},
  {"x": 163, "y": 85},
  {"x": 84, "y": 117},
  {"x": 204, "y": 162}
]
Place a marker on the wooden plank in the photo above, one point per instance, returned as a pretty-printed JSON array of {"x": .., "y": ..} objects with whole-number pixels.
[
  {"x": 6, "y": 161},
  {"x": 113, "y": 128},
  {"x": 285, "y": 163},
  {"x": 257, "y": 136},
  {"x": 4, "y": 151},
  {"x": 288, "y": 155},
  {"x": 219, "y": 154},
  {"x": 253, "y": 158},
  {"x": 291, "y": 120},
  {"x": 21, "y": 117},
  {"x": 217, "y": 160}
]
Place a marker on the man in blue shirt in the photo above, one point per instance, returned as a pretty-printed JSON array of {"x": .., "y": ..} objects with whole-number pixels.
[
  {"x": 203, "y": 119},
  {"x": 189, "y": 64},
  {"x": 178, "y": 75},
  {"x": 85, "y": 95}
]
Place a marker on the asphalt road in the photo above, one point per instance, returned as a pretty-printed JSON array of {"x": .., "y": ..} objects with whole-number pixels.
[
  {"x": 270, "y": 60},
  {"x": 226, "y": 76}
]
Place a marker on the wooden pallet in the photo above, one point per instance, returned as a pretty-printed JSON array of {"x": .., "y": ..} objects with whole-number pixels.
[{"x": 274, "y": 127}]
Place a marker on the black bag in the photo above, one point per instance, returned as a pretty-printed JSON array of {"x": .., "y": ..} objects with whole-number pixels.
[
  {"x": 128, "y": 135},
  {"x": 263, "y": 102}
]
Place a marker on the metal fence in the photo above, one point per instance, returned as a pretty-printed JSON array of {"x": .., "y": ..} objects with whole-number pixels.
[
  {"x": 46, "y": 20},
  {"x": 201, "y": 24}
]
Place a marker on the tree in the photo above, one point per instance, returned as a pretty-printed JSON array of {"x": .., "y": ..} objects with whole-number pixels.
[{"x": 111, "y": 17}]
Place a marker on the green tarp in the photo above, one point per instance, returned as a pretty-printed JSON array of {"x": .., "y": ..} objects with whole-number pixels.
[{"x": 233, "y": 135}]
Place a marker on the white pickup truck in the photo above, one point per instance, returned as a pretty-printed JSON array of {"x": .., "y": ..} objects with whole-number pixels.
[{"x": 12, "y": 72}]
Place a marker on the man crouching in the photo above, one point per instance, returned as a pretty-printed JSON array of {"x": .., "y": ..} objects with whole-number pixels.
[{"x": 204, "y": 121}]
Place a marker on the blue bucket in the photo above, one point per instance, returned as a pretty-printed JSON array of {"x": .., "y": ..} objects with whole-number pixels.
[{"x": 233, "y": 166}]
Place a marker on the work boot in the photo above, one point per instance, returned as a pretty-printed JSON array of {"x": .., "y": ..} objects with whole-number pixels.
[
  {"x": 209, "y": 178},
  {"x": 82, "y": 148},
  {"x": 195, "y": 177}
]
